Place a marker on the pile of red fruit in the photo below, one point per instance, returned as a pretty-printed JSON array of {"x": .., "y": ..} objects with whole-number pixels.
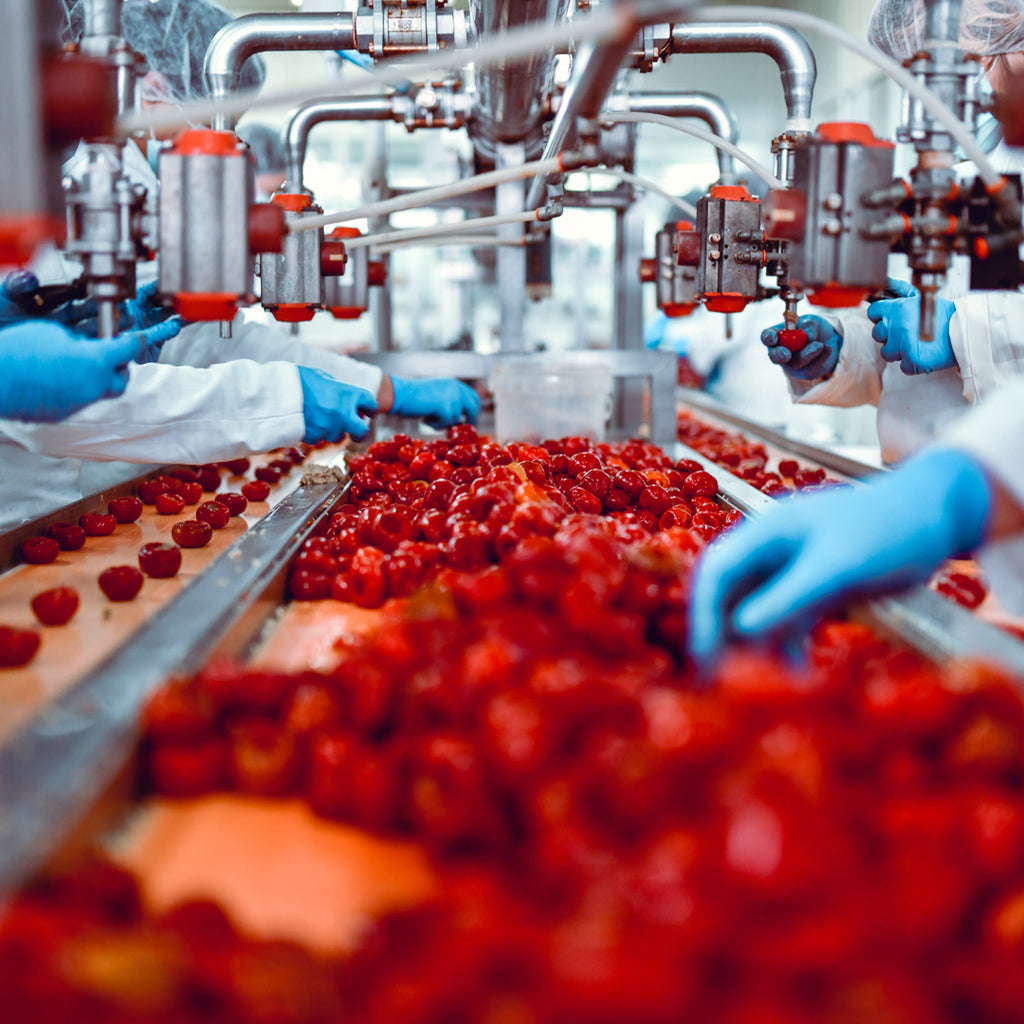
[
  {"x": 464, "y": 503},
  {"x": 747, "y": 459},
  {"x": 616, "y": 838}
]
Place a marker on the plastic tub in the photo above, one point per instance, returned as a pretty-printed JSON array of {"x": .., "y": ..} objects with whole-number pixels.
[{"x": 551, "y": 396}]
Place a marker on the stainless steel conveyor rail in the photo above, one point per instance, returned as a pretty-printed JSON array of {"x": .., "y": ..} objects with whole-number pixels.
[{"x": 59, "y": 764}]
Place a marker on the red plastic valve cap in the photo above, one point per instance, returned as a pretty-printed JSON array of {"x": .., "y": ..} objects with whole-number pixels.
[
  {"x": 266, "y": 227},
  {"x": 207, "y": 142}
]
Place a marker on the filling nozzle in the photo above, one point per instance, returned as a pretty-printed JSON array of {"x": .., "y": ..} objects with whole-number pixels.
[{"x": 928, "y": 284}]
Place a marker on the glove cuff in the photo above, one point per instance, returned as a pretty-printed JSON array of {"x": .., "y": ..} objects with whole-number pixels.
[{"x": 401, "y": 388}]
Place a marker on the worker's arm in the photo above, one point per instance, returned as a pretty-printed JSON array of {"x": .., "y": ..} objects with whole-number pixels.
[
  {"x": 772, "y": 577},
  {"x": 181, "y": 414}
]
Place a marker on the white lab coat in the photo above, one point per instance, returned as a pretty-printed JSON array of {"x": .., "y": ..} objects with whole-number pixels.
[
  {"x": 208, "y": 399},
  {"x": 993, "y": 434},
  {"x": 987, "y": 335}
]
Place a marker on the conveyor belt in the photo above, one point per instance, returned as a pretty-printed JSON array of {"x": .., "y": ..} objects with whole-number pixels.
[
  {"x": 54, "y": 768},
  {"x": 821, "y": 456}
]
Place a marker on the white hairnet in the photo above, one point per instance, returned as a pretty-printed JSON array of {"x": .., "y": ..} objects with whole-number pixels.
[
  {"x": 173, "y": 36},
  {"x": 266, "y": 145},
  {"x": 987, "y": 27}
]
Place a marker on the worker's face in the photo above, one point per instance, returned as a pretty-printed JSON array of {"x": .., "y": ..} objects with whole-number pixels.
[{"x": 1006, "y": 73}]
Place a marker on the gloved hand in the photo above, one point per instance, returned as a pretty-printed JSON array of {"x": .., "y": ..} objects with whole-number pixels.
[
  {"x": 332, "y": 409},
  {"x": 773, "y": 575},
  {"x": 817, "y": 359},
  {"x": 896, "y": 326},
  {"x": 47, "y": 372},
  {"x": 441, "y": 401},
  {"x": 152, "y": 338},
  {"x": 145, "y": 310},
  {"x": 23, "y": 298}
]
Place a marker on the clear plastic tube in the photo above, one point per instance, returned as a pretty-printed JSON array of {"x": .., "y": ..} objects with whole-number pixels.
[
  {"x": 698, "y": 133},
  {"x": 809, "y": 22},
  {"x": 426, "y": 196},
  {"x": 473, "y": 224}
]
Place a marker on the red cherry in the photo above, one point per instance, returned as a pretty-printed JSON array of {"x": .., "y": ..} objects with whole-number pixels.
[
  {"x": 188, "y": 768},
  {"x": 17, "y": 646},
  {"x": 168, "y": 504},
  {"x": 69, "y": 536},
  {"x": 40, "y": 550},
  {"x": 268, "y": 474},
  {"x": 159, "y": 560},
  {"x": 97, "y": 524},
  {"x": 597, "y": 481},
  {"x": 191, "y": 491},
  {"x": 121, "y": 582},
  {"x": 307, "y": 585},
  {"x": 788, "y": 467},
  {"x": 190, "y": 533},
  {"x": 285, "y": 466},
  {"x": 237, "y": 466},
  {"x": 55, "y": 607},
  {"x": 234, "y": 502},
  {"x": 582, "y": 463},
  {"x": 184, "y": 474},
  {"x": 792, "y": 338},
  {"x": 125, "y": 510},
  {"x": 700, "y": 482},
  {"x": 209, "y": 478},
  {"x": 585, "y": 500},
  {"x": 808, "y": 477},
  {"x": 214, "y": 513},
  {"x": 149, "y": 489},
  {"x": 256, "y": 490}
]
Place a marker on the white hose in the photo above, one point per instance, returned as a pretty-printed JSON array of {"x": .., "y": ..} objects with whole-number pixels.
[
  {"x": 473, "y": 224},
  {"x": 698, "y": 133},
  {"x": 474, "y": 241},
  {"x": 809, "y": 22},
  {"x": 643, "y": 183},
  {"x": 426, "y": 196}
]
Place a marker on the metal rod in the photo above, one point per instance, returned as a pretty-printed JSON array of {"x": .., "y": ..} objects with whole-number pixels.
[{"x": 237, "y": 41}]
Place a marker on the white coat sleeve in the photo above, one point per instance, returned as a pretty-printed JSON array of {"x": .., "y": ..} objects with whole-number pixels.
[
  {"x": 988, "y": 341},
  {"x": 993, "y": 433},
  {"x": 202, "y": 345},
  {"x": 857, "y": 378},
  {"x": 180, "y": 414}
]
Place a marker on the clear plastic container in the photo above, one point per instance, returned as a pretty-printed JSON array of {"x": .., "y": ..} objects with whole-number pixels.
[{"x": 550, "y": 395}]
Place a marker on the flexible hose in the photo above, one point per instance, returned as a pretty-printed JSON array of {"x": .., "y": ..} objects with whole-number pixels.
[
  {"x": 426, "y": 196},
  {"x": 473, "y": 224},
  {"x": 698, "y": 133}
]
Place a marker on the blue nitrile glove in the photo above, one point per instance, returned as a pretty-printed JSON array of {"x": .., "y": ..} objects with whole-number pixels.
[
  {"x": 332, "y": 409},
  {"x": 772, "y": 575},
  {"x": 441, "y": 401},
  {"x": 140, "y": 313},
  {"x": 817, "y": 359},
  {"x": 153, "y": 338},
  {"x": 896, "y": 326},
  {"x": 145, "y": 309},
  {"x": 47, "y": 372}
]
